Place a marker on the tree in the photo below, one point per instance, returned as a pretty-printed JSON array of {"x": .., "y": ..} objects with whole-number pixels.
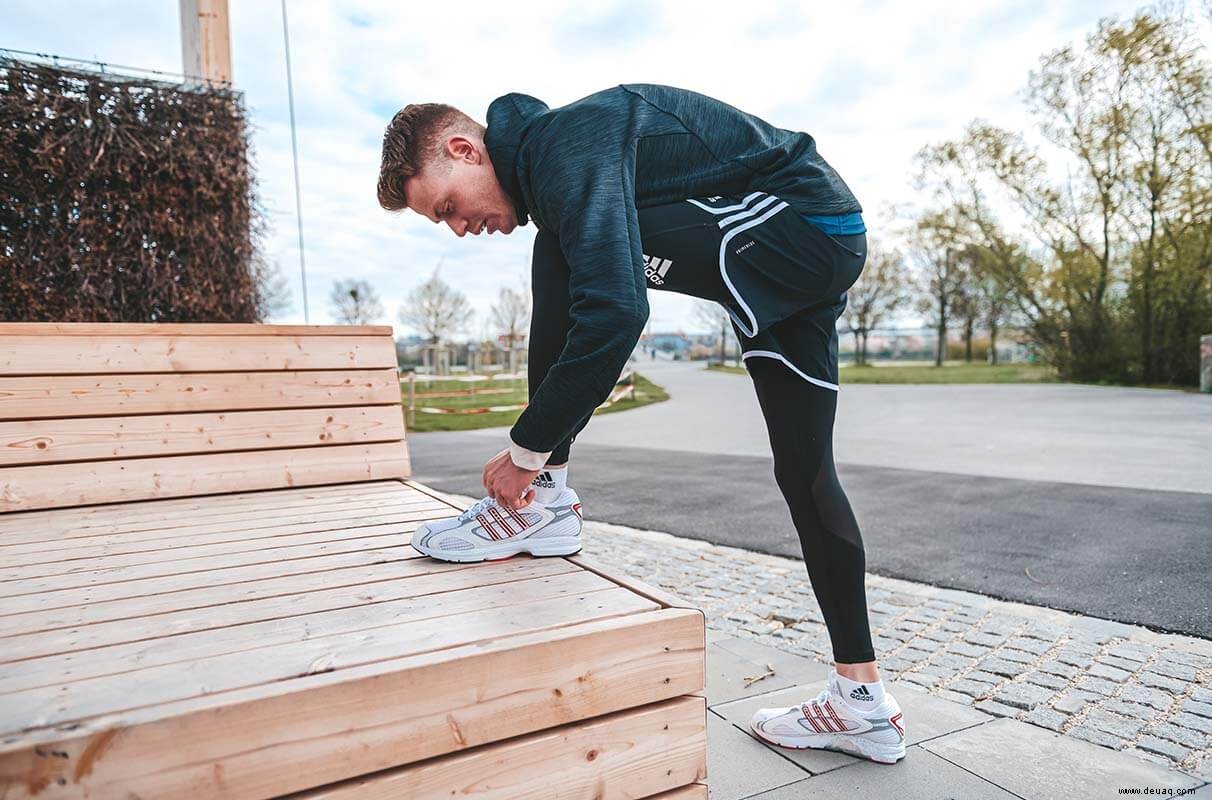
[
  {"x": 940, "y": 277},
  {"x": 511, "y": 313},
  {"x": 355, "y": 302},
  {"x": 273, "y": 292},
  {"x": 882, "y": 288},
  {"x": 715, "y": 317},
  {"x": 435, "y": 309}
]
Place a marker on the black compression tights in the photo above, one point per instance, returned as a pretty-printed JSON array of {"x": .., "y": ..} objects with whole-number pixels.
[{"x": 799, "y": 419}]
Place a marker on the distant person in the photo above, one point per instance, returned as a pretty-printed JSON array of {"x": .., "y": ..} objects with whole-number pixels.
[{"x": 645, "y": 186}]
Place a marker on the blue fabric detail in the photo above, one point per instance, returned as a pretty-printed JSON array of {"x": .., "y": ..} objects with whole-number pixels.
[{"x": 838, "y": 224}]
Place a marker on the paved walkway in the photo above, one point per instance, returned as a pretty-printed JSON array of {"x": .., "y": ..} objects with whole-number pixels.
[{"x": 1001, "y": 699}]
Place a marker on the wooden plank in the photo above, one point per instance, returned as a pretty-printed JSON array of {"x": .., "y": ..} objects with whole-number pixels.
[
  {"x": 101, "y": 438},
  {"x": 106, "y": 354},
  {"x": 185, "y": 329},
  {"x": 335, "y": 725},
  {"x": 639, "y": 752},
  {"x": 49, "y": 599},
  {"x": 380, "y": 631},
  {"x": 57, "y": 485},
  {"x": 27, "y": 561},
  {"x": 183, "y": 510},
  {"x": 369, "y": 538},
  {"x": 182, "y": 645},
  {"x": 62, "y": 538},
  {"x": 691, "y": 791},
  {"x": 53, "y": 396}
]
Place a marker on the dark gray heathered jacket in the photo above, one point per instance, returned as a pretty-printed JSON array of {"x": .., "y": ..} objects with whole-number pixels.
[{"x": 581, "y": 171}]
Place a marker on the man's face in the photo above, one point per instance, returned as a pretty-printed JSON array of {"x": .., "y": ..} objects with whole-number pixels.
[{"x": 468, "y": 197}]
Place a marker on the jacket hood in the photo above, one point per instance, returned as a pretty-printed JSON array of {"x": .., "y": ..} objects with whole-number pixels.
[{"x": 508, "y": 118}]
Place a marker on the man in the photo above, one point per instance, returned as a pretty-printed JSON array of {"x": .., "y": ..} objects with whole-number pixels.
[{"x": 645, "y": 186}]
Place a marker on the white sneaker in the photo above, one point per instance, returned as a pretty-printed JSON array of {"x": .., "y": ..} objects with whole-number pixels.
[
  {"x": 490, "y": 532},
  {"x": 828, "y": 722}
]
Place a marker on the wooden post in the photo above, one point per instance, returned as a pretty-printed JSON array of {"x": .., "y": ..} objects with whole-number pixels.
[
  {"x": 412, "y": 398},
  {"x": 205, "y": 40}
]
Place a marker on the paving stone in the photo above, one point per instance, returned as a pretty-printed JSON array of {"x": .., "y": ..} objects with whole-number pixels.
[
  {"x": 1034, "y": 762},
  {"x": 1136, "y": 651},
  {"x": 1074, "y": 700},
  {"x": 1197, "y": 660},
  {"x": 1188, "y": 738},
  {"x": 921, "y": 678},
  {"x": 1120, "y": 663},
  {"x": 1023, "y": 695},
  {"x": 937, "y": 635},
  {"x": 1147, "y": 695},
  {"x": 1058, "y": 668},
  {"x": 954, "y": 627},
  {"x": 1134, "y": 710},
  {"x": 997, "y": 709},
  {"x": 1003, "y": 626},
  {"x": 1162, "y": 682},
  {"x": 1034, "y": 646},
  {"x": 1074, "y": 658},
  {"x": 1046, "y": 679},
  {"x": 740, "y": 765},
  {"x": 1197, "y": 708},
  {"x": 1096, "y": 685},
  {"x": 1201, "y": 694},
  {"x": 986, "y": 677},
  {"x": 1201, "y": 724},
  {"x": 1094, "y": 735},
  {"x": 1123, "y": 727},
  {"x": 954, "y": 696},
  {"x": 986, "y": 639},
  {"x": 1000, "y": 666},
  {"x": 1110, "y": 673},
  {"x": 1020, "y": 656},
  {"x": 1049, "y": 632},
  {"x": 914, "y": 654},
  {"x": 950, "y": 660},
  {"x": 1162, "y": 747},
  {"x": 1183, "y": 672},
  {"x": 966, "y": 649},
  {"x": 1100, "y": 631},
  {"x": 1046, "y": 718}
]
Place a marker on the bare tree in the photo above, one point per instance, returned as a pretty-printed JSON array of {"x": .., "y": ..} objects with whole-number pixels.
[
  {"x": 881, "y": 289},
  {"x": 355, "y": 302},
  {"x": 511, "y": 313},
  {"x": 715, "y": 317},
  {"x": 273, "y": 291},
  {"x": 940, "y": 276},
  {"x": 436, "y": 309}
]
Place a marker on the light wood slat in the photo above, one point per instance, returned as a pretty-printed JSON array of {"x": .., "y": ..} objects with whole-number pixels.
[
  {"x": 188, "y": 558},
  {"x": 52, "y": 706},
  {"x": 374, "y": 537},
  {"x": 185, "y": 509},
  {"x": 691, "y": 791},
  {"x": 328, "y": 614},
  {"x": 54, "y": 396},
  {"x": 108, "y": 592},
  {"x": 362, "y": 719},
  {"x": 65, "y": 440},
  {"x": 54, "y": 485},
  {"x": 113, "y": 658},
  {"x": 159, "y": 527},
  {"x": 161, "y": 547},
  {"x": 186, "y": 329},
  {"x": 633, "y": 753},
  {"x": 104, "y": 354}
]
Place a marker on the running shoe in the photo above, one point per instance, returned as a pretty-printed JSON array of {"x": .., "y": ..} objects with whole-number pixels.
[
  {"x": 489, "y": 531},
  {"x": 828, "y": 722}
]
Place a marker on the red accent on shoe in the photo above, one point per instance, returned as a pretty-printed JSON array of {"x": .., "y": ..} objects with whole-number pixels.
[
  {"x": 577, "y": 508},
  {"x": 811, "y": 720},
  {"x": 486, "y": 525},
  {"x": 895, "y": 721},
  {"x": 841, "y": 726},
  {"x": 502, "y": 521}
]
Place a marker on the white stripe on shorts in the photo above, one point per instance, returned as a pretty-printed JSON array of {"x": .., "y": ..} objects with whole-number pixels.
[{"x": 800, "y": 372}]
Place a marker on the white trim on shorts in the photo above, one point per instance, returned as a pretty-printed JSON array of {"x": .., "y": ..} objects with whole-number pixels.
[{"x": 781, "y": 357}]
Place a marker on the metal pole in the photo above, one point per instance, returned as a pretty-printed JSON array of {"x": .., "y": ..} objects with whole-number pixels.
[{"x": 294, "y": 149}]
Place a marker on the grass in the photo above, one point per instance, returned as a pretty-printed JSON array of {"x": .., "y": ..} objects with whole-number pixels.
[
  {"x": 950, "y": 372},
  {"x": 645, "y": 392}
]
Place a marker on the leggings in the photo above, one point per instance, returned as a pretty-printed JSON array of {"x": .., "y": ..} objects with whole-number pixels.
[{"x": 799, "y": 413}]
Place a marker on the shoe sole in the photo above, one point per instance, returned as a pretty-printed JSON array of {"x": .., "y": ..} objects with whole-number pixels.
[
  {"x": 499, "y": 552},
  {"x": 829, "y": 743}
]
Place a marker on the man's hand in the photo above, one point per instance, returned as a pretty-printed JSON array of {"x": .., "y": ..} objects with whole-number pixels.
[{"x": 506, "y": 481}]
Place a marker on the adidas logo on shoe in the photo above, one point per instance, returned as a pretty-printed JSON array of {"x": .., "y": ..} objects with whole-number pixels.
[{"x": 861, "y": 693}]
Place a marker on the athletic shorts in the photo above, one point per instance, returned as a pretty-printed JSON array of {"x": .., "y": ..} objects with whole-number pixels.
[{"x": 781, "y": 278}]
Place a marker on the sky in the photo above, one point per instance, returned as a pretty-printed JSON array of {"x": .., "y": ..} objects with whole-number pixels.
[{"x": 872, "y": 82}]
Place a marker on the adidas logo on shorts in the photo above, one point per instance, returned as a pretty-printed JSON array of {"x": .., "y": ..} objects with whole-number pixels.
[{"x": 655, "y": 268}]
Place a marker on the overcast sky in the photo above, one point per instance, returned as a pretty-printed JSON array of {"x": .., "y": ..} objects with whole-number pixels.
[{"x": 872, "y": 82}]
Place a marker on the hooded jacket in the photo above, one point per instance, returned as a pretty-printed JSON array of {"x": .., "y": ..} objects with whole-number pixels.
[{"x": 581, "y": 171}]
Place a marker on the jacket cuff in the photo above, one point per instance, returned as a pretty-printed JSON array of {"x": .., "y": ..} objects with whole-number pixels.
[{"x": 527, "y": 459}]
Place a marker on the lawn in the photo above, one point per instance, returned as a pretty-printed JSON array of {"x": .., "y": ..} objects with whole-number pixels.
[{"x": 488, "y": 393}]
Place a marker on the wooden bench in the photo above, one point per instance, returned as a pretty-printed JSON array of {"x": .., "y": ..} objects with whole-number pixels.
[{"x": 207, "y": 591}]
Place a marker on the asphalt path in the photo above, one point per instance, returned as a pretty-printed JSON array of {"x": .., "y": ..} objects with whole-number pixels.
[{"x": 1135, "y": 554}]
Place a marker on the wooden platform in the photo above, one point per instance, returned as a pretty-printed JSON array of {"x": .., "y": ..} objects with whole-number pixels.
[{"x": 258, "y": 644}]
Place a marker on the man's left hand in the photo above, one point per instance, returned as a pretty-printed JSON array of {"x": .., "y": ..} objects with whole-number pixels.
[{"x": 506, "y": 481}]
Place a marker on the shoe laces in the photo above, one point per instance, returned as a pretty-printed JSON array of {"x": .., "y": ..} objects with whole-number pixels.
[{"x": 479, "y": 506}]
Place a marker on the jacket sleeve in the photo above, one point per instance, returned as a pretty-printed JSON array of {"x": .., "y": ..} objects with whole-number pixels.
[{"x": 589, "y": 202}]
